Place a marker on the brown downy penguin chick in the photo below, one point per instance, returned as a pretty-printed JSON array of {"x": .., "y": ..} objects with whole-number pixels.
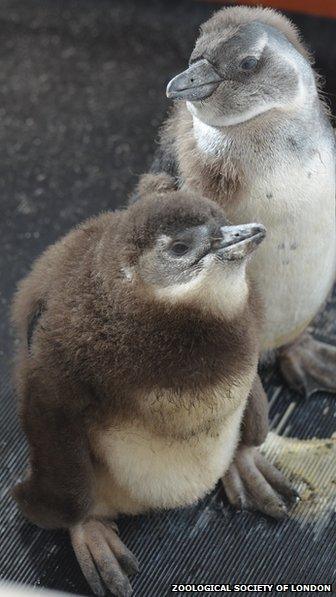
[
  {"x": 139, "y": 348},
  {"x": 250, "y": 131}
]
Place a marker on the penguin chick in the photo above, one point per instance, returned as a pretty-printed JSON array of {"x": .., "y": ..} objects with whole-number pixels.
[
  {"x": 143, "y": 348},
  {"x": 252, "y": 134}
]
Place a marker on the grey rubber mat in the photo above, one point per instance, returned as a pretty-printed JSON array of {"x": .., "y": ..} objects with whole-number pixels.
[{"x": 81, "y": 98}]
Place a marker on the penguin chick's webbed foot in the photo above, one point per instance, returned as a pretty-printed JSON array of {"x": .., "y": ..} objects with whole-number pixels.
[
  {"x": 103, "y": 558},
  {"x": 253, "y": 483},
  {"x": 309, "y": 365}
]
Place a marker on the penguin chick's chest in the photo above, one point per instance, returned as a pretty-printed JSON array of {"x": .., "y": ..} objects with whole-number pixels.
[
  {"x": 295, "y": 267},
  {"x": 294, "y": 198},
  {"x": 146, "y": 467}
]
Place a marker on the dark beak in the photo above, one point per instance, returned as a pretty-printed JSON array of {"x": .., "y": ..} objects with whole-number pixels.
[
  {"x": 198, "y": 82},
  {"x": 238, "y": 241}
]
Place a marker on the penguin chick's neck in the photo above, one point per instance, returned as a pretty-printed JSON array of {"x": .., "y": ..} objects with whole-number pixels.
[
  {"x": 259, "y": 145},
  {"x": 220, "y": 289},
  {"x": 262, "y": 123}
]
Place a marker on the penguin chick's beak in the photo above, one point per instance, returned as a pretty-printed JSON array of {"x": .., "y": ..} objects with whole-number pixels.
[
  {"x": 238, "y": 241},
  {"x": 198, "y": 82}
]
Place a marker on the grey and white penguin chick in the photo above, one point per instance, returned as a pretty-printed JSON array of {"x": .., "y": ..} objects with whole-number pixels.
[
  {"x": 138, "y": 352},
  {"x": 253, "y": 135}
]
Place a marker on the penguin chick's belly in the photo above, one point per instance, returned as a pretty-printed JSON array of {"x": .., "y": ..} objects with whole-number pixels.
[
  {"x": 295, "y": 266},
  {"x": 145, "y": 471}
]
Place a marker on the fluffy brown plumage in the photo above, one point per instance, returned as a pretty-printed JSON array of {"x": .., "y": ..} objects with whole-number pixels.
[
  {"x": 107, "y": 361},
  {"x": 100, "y": 345}
]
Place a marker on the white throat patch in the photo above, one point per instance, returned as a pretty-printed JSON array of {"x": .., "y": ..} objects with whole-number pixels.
[
  {"x": 219, "y": 288},
  {"x": 210, "y": 139}
]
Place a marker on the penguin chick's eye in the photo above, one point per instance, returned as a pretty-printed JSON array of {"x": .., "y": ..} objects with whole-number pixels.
[
  {"x": 249, "y": 63},
  {"x": 179, "y": 248}
]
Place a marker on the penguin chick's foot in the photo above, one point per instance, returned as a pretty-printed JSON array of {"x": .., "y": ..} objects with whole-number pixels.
[
  {"x": 253, "y": 483},
  {"x": 309, "y": 365},
  {"x": 103, "y": 558}
]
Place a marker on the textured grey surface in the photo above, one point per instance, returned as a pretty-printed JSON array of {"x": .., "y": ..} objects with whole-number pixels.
[{"x": 81, "y": 98}]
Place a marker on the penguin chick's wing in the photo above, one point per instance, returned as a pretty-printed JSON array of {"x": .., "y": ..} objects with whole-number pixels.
[
  {"x": 252, "y": 482},
  {"x": 164, "y": 159},
  {"x": 58, "y": 491},
  {"x": 255, "y": 421}
]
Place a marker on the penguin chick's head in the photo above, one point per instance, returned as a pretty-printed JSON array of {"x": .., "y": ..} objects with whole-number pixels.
[
  {"x": 179, "y": 244},
  {"x": 246, "y": 61}
]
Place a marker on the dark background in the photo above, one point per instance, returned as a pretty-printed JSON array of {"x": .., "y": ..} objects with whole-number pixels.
[{"x": 82, "y": 94}]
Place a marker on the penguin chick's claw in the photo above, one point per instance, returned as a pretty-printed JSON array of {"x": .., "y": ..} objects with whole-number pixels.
[
  {"x": 309, "y": 365},
  {"x": 253, "y": 483},
  {"x": 103, "y": 558}
]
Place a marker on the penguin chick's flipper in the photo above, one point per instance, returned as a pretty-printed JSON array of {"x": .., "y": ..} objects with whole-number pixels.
[
  {"x": 309, "y": 366},
  {"x": 58, "y": 490},
  {"x": 103, "y": 558},
  {"x": 164, "y": 162},
  {"x": 251, "y": 482}
]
